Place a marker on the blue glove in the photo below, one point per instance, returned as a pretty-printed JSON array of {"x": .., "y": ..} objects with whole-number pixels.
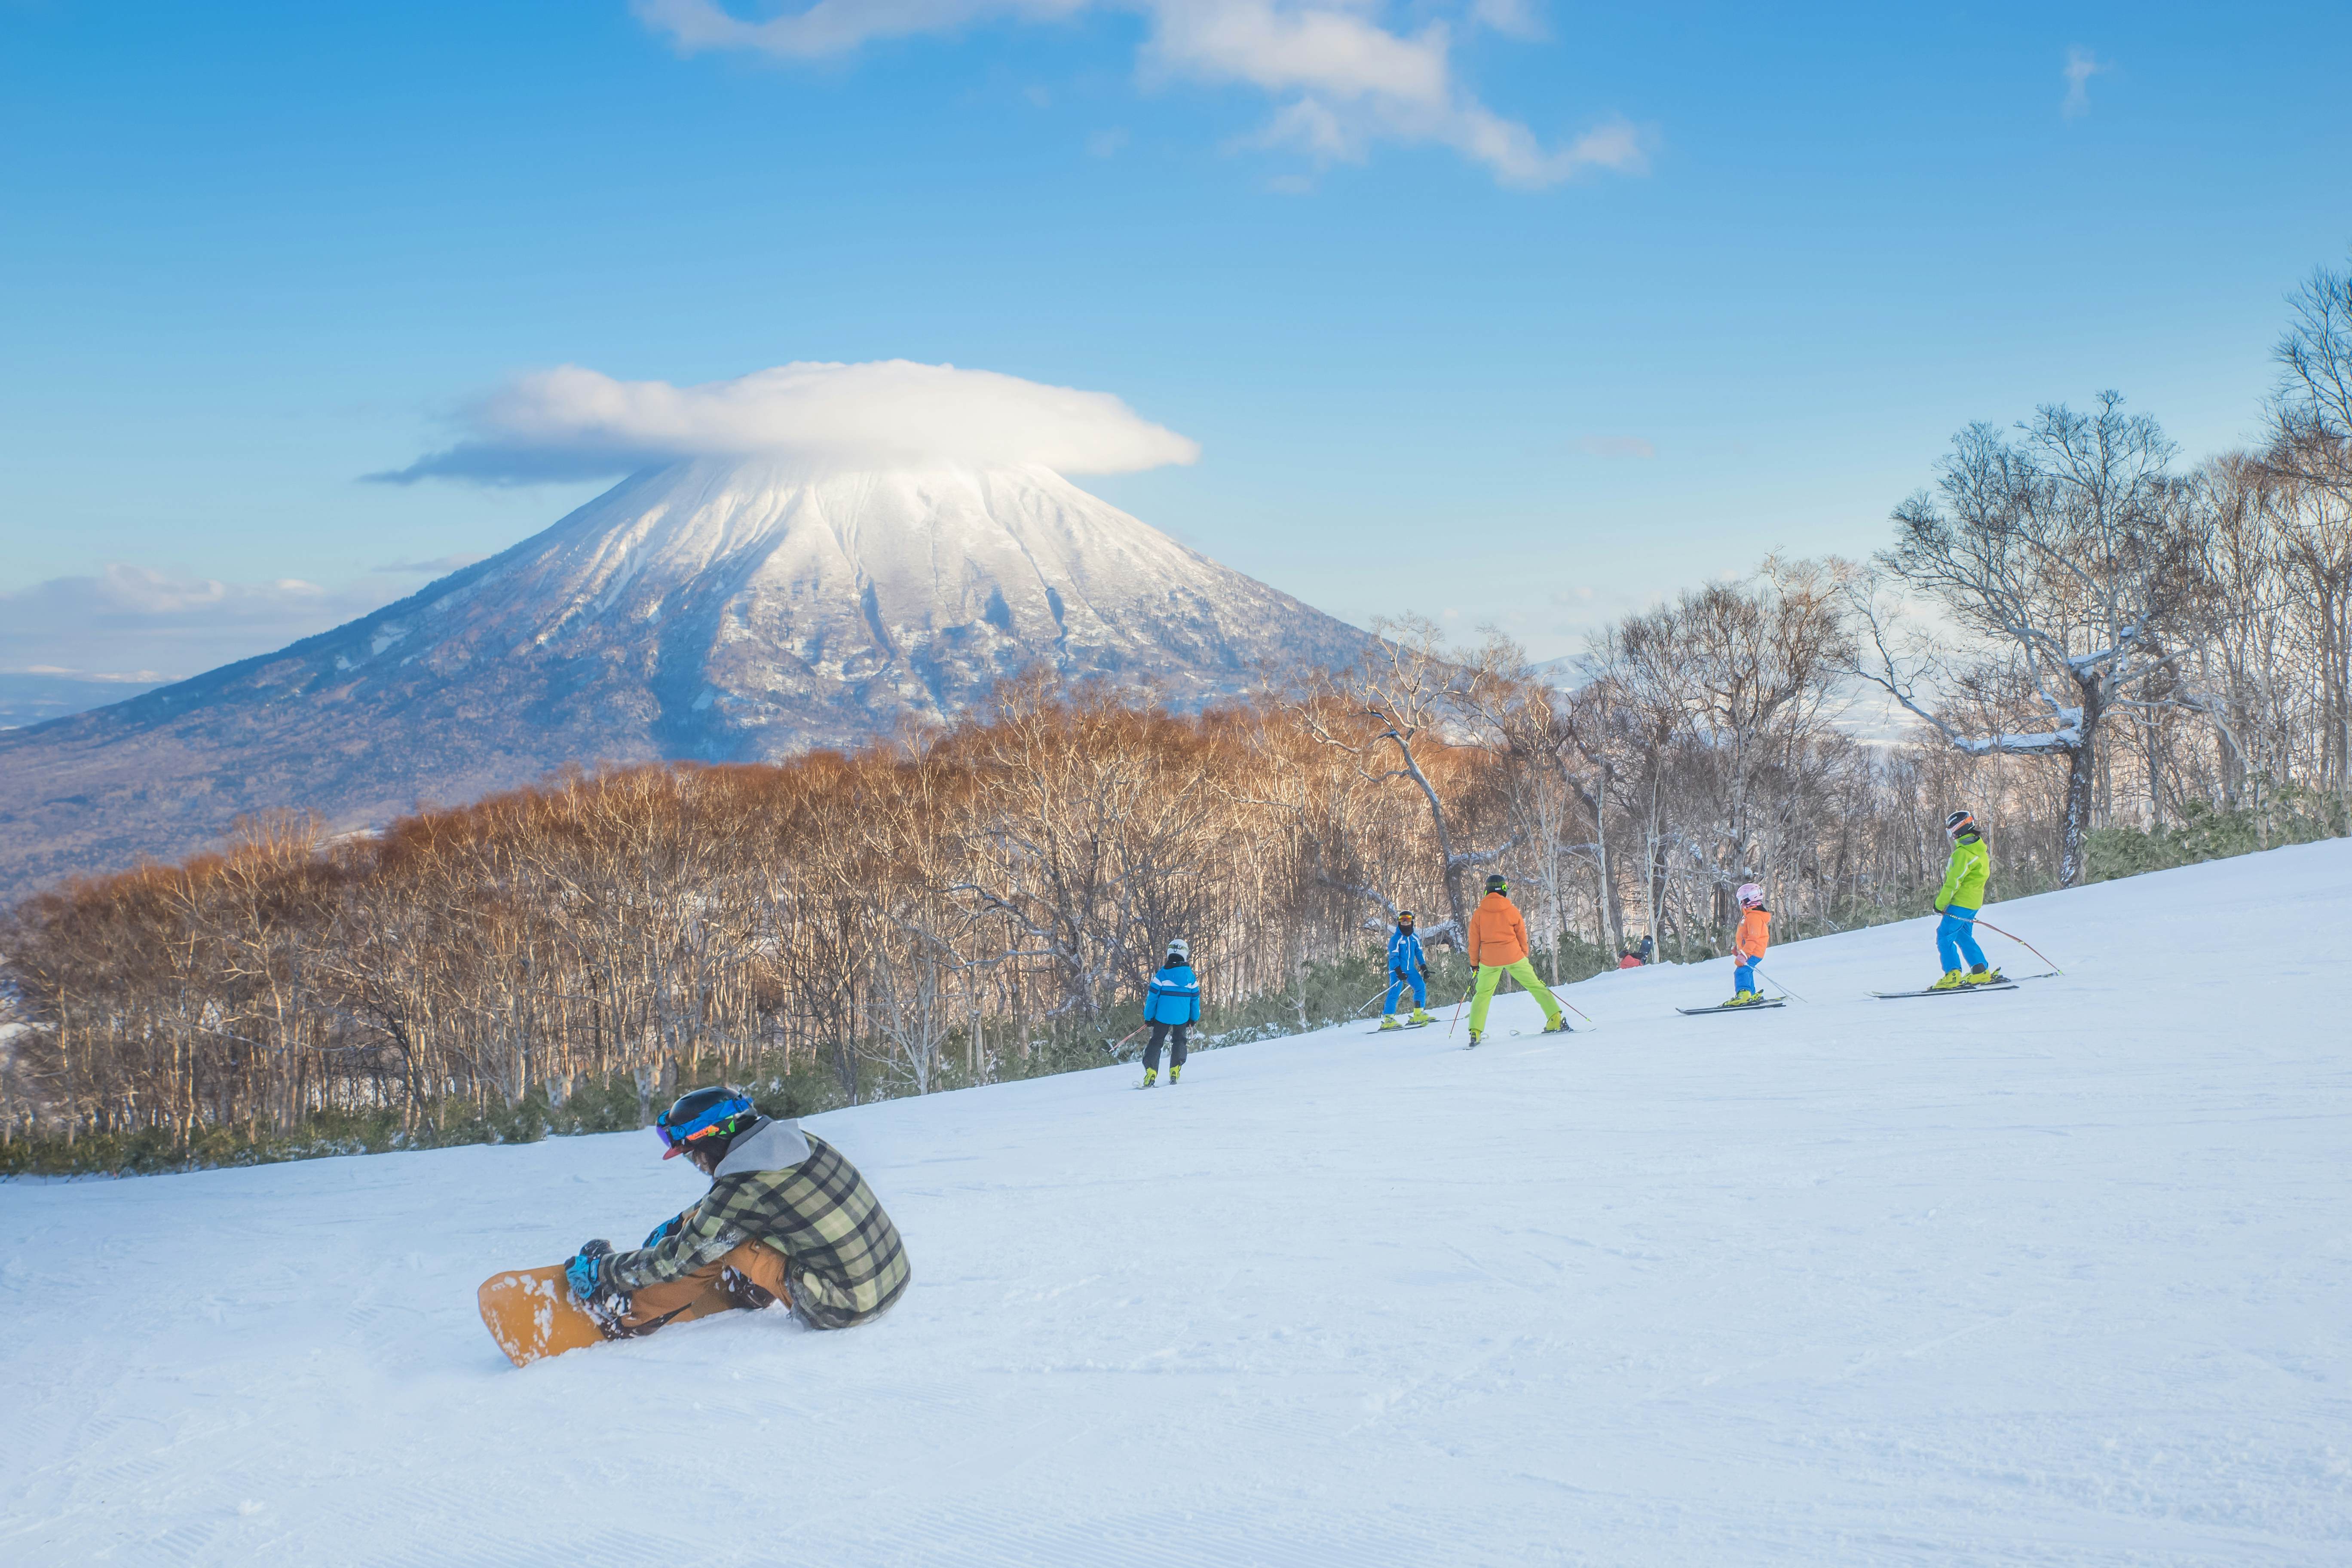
[
  {"x": 664, "y": 1231},
  {"x": 585, "y": 1272}
]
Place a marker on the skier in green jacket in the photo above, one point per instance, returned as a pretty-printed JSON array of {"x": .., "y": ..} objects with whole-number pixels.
[{"x": 1958, "y": 900}]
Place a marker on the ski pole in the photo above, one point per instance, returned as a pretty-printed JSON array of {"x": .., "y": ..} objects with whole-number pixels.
[
  {"x": 1785, "y": 991},
  {"x": 1573, "y": 1008},
  {"x": 2022, "y": 942},
  {"x": 1114, "y": 1050},
  {"x": 1464, "y": 1002},
  {"x": 1368, "y": 1001}
]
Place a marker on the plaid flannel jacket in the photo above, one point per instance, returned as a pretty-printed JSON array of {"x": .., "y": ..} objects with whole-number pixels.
[{"x": 844, "y": 1258}]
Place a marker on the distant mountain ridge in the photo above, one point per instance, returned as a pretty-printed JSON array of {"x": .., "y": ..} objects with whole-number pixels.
[{"x": 708, "y": 610}]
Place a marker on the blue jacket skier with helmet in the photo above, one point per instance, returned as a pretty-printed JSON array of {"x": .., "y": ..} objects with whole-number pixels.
[
  {"x": 1171, "y": 1005},
  {"x": 1407, "y": 967},
  {"x": 1958, "y": 900}
]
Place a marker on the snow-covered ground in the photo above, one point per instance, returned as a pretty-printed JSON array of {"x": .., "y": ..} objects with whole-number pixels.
[{"x": 2057, "y": 1275}]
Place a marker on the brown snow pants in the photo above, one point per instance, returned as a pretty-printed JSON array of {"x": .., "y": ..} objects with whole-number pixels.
[{"x": 752, "y": 1275}]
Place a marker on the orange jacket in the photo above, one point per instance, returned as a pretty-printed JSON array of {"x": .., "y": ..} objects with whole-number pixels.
[
  {"x": 1754, "y": 933},
  {"x": 1497, "y": 935}
]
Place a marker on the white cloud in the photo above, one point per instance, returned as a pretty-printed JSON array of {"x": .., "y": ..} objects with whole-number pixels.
[
  {"x": 131, "y": 618},
  {"x": 571, "y": 423},
  {"x": 1344, "y": 79},
  {"x": 2080, "y": 67},
  {"x": 1512, "y": 18}
]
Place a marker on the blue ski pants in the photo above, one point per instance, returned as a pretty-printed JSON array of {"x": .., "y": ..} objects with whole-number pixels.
[
  {"x": 1956, "y": 939},
  {"x": 1743, "y": 974},
  {"x": 1401, "y": 978}
]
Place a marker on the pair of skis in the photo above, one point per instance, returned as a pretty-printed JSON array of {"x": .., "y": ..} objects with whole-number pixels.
[
  {"x": 1565, "y": 1028},
  {"x": 2007, "y": 982}
]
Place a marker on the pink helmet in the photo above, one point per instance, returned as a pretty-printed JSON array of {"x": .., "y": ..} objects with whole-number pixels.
[{"x": 1751, "y": 895}]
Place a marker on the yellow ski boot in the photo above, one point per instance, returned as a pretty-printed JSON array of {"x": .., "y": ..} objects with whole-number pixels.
[
  {"x": 1174, "y": 1073},
  {"x": 1952, "y": 981},
  {"x": 1979, "y": 975},
  {"x": 1743, "y": 998},
  {"x": 1150, "y": 1077},
  {"x": 1419, "y": 1017},
  {"x": 1389, "y": 1021}
]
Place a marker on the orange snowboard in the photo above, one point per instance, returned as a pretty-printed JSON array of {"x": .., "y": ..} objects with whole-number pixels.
[{"x": 531, "y": 1314}]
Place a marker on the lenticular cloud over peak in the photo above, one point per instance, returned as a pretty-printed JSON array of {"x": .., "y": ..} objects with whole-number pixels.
[{"x": 571, "y": 423}]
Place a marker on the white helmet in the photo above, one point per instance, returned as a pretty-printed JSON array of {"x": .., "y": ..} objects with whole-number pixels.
[
  {"x": 1751, "y": 895},
  {"x": 1179, "y": 948}
]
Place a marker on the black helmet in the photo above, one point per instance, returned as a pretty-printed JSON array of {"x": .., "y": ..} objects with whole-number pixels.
[
  {"x": 1498, "y": 883},
  {"x": 1405, "y": 917},
  {"x": 1960, "y": 822},
  {"x": 706, "y": 1118}
]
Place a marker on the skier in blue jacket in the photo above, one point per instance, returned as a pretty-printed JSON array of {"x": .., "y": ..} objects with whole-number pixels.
[
  {"x": 1407, "y": 967},
  {"x": 1171, "y": 1005}
]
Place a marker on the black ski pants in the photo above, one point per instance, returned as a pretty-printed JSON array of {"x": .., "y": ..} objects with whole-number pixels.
[{"x": 1175, "y": 1047}]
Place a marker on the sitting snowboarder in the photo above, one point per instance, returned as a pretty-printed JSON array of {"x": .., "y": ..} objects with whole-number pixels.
[
  {"x": 786, "y": 1219},
  {"x": 1171, "y": 1005},
  {"x": 1407, "y": 967},
  {"x": 1747, "y": 947}
]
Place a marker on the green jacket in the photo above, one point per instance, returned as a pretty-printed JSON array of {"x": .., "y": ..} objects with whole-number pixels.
[{"x": 1964, "y": 878}]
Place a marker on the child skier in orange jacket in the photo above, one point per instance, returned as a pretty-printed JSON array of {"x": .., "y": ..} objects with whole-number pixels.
[{"x": 1747, "y": 947}]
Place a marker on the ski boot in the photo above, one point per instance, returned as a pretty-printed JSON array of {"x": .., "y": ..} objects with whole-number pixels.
[
  {"x": 1558, "y": 1027},
  {"x": 1150, "y": 1077},
  {"x": 1979, "y": 975},
  {"x": 1743, "y": 999},
  {"x": 1419, "y": 1017},
  {"x": 1173, "y": 1073},
  {"x": 1474, "y": 1041},
  {"x": 1952, "y": 981},
  {"x": 1389, "y": 1021}
]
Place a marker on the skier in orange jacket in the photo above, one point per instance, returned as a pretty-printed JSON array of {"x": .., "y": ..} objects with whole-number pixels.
[
  {"x": 1498, "y": 946},
  {"x": 1747, "y": 947}
]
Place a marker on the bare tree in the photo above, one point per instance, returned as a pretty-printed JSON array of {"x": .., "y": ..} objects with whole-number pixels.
[
  {"x": 1412, "y": 688},
  {"x": 2061, "y": 555}
]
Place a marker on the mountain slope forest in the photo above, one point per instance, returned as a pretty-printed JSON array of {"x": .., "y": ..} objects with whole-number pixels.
[{"x": 2131, "y": 663}]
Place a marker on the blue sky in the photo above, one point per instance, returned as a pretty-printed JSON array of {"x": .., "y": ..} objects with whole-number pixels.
[{"x": 253, "y": 252}]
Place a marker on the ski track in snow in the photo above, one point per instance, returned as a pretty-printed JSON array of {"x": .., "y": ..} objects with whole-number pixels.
[{"x": 2061, "y": 1275}]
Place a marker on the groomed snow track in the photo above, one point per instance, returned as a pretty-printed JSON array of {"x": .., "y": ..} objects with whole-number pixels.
[{"x": 2061, "y": 1275}]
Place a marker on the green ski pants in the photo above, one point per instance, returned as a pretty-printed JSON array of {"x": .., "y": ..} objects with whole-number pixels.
[{"x": 1490, "y": 976}]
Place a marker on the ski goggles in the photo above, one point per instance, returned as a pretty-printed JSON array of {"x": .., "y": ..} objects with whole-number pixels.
[{"x": 676, "y": 1138}]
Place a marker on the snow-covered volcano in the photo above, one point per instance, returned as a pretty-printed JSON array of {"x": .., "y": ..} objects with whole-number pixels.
[
  {"x": 711, "y": 609},
  {"x": 783, "y": 605}
]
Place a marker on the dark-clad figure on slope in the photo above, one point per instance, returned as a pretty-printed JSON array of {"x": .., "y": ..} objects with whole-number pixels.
[
  {"x": 786, "y": 1219},
  {"x": 1171, "y": 1005}
]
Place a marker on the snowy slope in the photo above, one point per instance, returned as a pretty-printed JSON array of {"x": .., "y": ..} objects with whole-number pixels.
[
  {"x": 2056, "y": 1276},
  {"x": 707, "y": 610}
]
